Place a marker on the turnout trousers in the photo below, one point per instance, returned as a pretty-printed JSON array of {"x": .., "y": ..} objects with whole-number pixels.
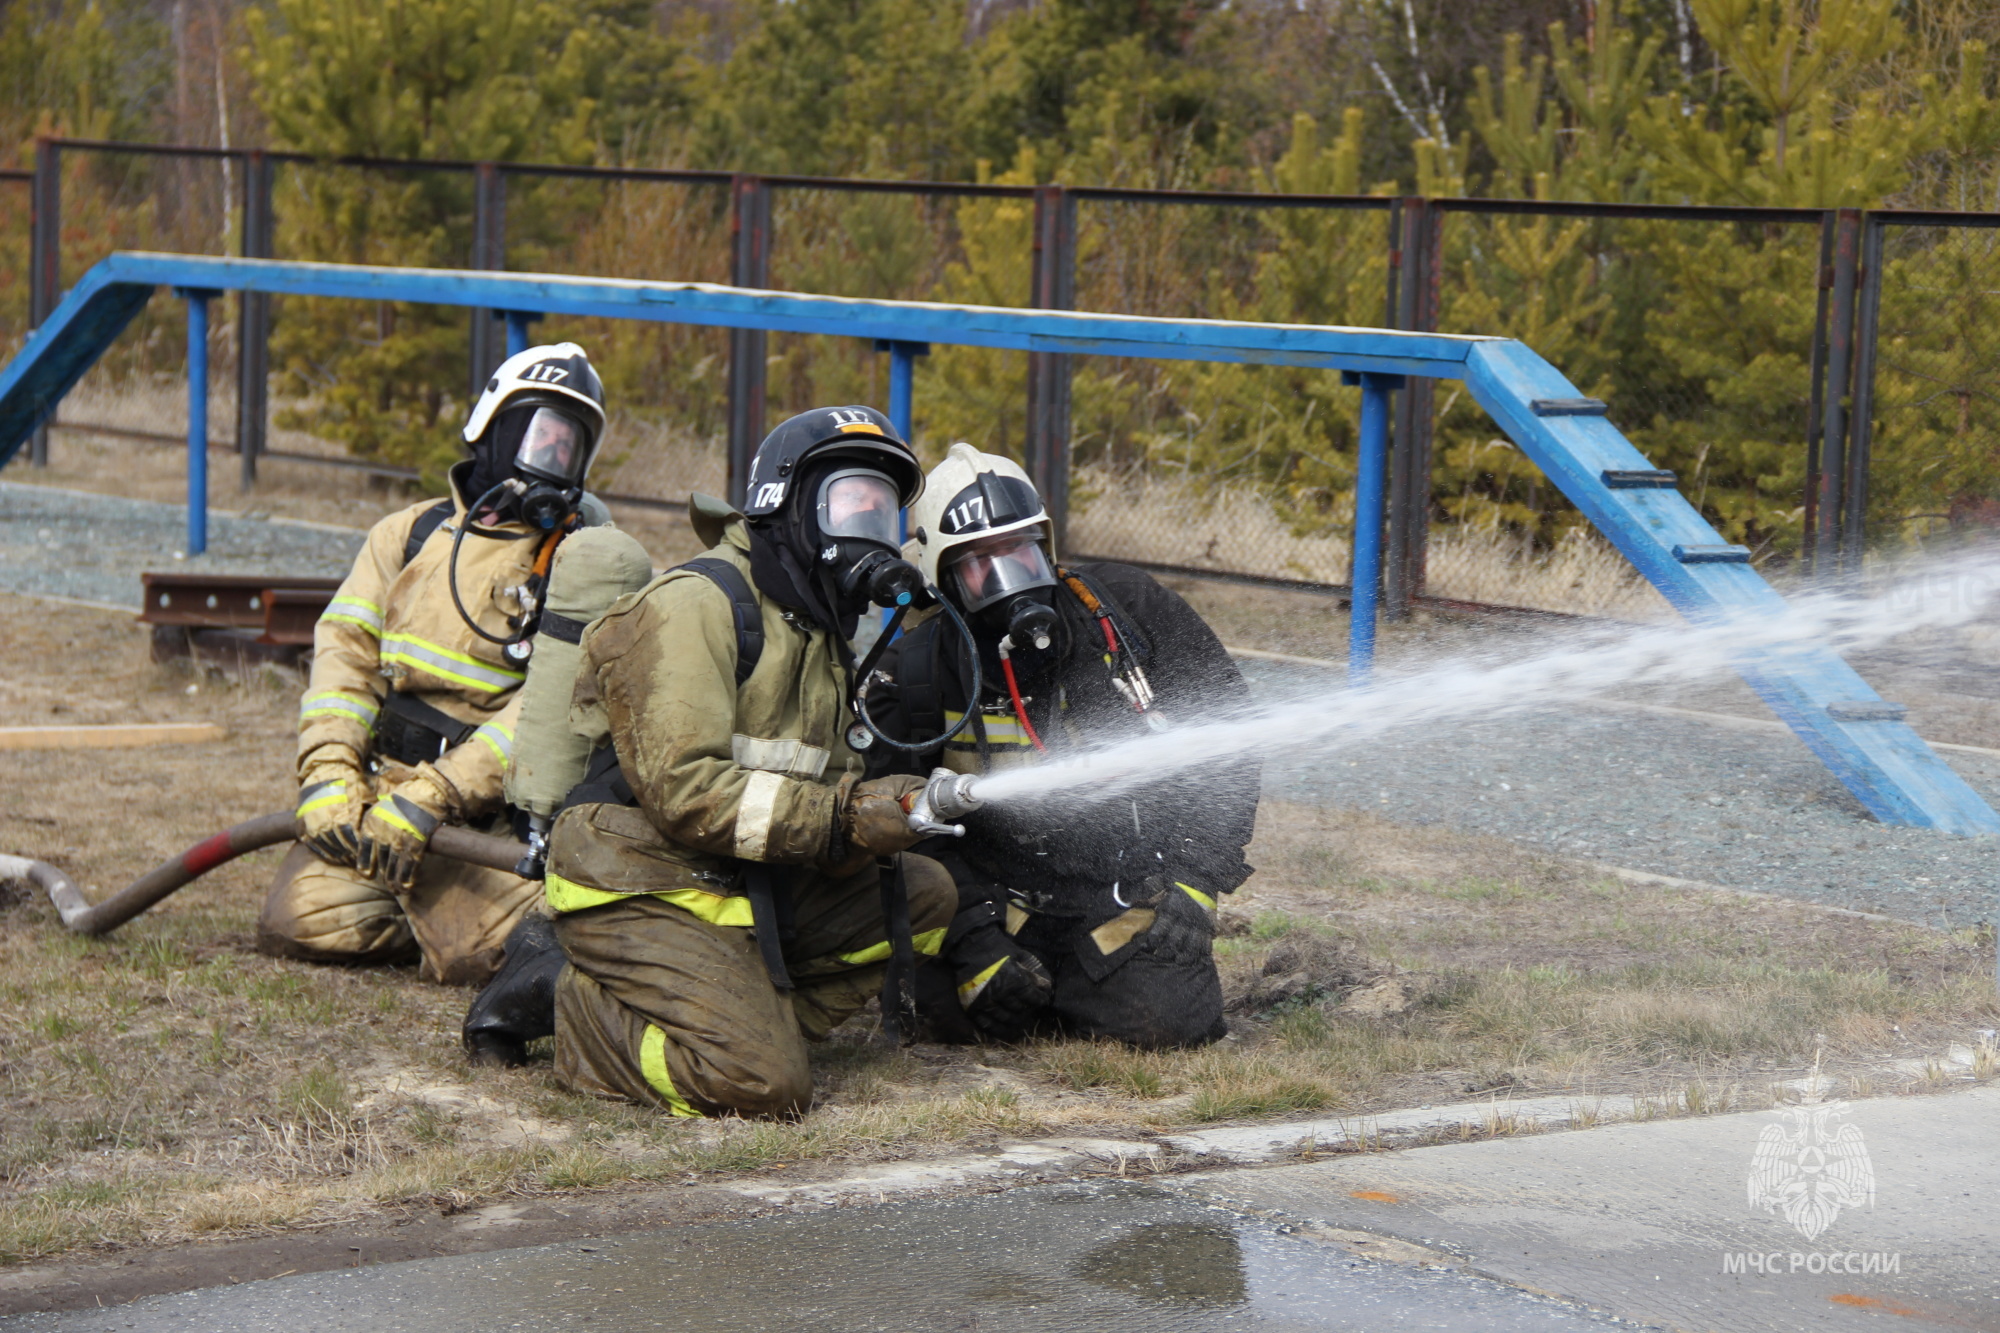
[
  {"x": 453, "y": 921},
  {"x": 666, "y": 1008}
]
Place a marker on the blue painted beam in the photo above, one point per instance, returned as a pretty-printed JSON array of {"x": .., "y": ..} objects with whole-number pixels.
[{"x": 1886, "y": 765}]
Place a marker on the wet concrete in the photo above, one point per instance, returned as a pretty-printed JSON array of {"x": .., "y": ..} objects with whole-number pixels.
[{"x": 1104, "y": 1257}]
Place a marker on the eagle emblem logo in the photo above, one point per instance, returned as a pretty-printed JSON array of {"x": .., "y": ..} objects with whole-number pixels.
[{"x": 1809, "y": 1168}]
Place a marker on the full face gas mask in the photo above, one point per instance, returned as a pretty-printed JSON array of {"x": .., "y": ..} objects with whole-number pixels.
[
  {"x": 540, "y": 452},
  {"x": 1006, "y": 583},
  {"x": 856, "y": 511}
]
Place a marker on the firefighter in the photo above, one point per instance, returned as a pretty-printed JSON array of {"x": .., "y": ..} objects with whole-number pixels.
[
  {"x": 407, "y": 722},
  {"x": 725, "y": 882},
  {"x": 1092, "y": 917}
]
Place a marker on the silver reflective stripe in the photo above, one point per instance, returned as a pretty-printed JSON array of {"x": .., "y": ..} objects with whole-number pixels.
[
  {"x": 448, "y": 665},
  {"x": 498, "y": 739},
  {"x": 355, "y": 612},
  {"x": 754, "y": 814},
  {"x": 795, "y": 758},
  {"x": 338, "y": 705}
]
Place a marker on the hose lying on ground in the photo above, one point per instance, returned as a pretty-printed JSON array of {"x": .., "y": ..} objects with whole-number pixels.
[{"x": 460, "y": 844}]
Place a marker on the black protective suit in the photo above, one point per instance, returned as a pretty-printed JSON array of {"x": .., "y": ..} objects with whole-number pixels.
[{"x": 1114, "y": 898}]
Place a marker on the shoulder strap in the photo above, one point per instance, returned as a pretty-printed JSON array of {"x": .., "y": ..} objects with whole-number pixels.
[
  {"x": 427, "y": 522},
  {"x": 743, "y": 601}
]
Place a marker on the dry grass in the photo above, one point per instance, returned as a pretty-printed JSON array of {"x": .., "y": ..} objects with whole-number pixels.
[
  {"x": 168, "y": 1083},
  {"x": 1137, "y": 516}
]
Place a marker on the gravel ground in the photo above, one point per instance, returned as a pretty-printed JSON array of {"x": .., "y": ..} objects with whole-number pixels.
[
  {"x": 1652, "y": 793},
  {"x": 92, "y": 548},
  {"x": 1659, "y": 794}
]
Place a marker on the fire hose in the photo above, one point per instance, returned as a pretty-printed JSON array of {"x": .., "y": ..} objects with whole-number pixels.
[
  {"x": 945, "y": 797},
  {"x": 85, "y": 918}
]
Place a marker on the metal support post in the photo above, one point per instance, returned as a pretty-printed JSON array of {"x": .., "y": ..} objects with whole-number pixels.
[
  {"x": 517, "y": 330},
  {"x": 1861, "y": 394},
  {"x": 197, "y": 299},
  {"x": 1413, "y": 280},
  {"x": 1052, "y": 286},
  {"x": 45, "y": 259},
  {"x": 750, "y": 266},
  {"x": 489, "y": 254},
  {"x": 1835, "y": 465},
  {"x": 1809, "y": 551},
  {"x": 1370, "y": 480},
  {"x": 253, "y": 321},
  {"x": 902, "y": 380}
]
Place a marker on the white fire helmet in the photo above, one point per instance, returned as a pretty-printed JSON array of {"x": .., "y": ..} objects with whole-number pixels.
[
  {"x": 559, "y": 376},
  {"x": 972, "y": 501}
]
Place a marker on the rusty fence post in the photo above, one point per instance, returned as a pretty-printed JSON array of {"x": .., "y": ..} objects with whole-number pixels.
[
  {"x": 1414, "y": 282},
  {"x": 1861, "y": 409},
  {"x": 253, "y": 321},
  {"x": 749, "y": 266},
  {"x": 1835, "y": 464},
  {"x": 1052, "y": 286},
  {"x": 45, "y": 259},
  {"x": 489, "y": 253},
  {"x": 1809, "y": 551}
]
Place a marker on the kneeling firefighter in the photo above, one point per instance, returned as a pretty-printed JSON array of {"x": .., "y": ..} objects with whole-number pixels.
[
  {"x": 1095, "y": 917},
  {"x": 725, "y": 884},
  {"x": 408, "y": 719}
]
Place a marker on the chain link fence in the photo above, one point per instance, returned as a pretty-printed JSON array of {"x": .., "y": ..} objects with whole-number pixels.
[{"x": 1929, "y": 422}]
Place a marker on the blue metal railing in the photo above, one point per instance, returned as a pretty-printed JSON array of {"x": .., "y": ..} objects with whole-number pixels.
[{"x": 1885, "y": 764}]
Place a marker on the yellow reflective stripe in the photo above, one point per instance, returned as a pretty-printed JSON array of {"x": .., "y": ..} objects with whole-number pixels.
[
  {"x": 333, "y": 795},
  {"x": 389, "y": 815},
  {"x": 334, "y": 705},
  {"x": 1001, "y": 729},
  {"x": 928, "y": 942},
  {"x": 970, "y": 990},
  {"x": 1196, "y": 894},
  {"x": 497, "y": 739},
  {"x": 565, "y": 895},
  {"x": 368, "y": 625},
  {"x": 653, "y": 1065},
  {"x": 470, "y": 671}
]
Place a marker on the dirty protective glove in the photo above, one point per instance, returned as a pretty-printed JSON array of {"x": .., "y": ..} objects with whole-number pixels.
[
  {"x": 398, "y": 828},
  {"x": 874, "y": 817},
  {"x": 1003, "y": 988},
  {"x": 333, "y": 795}
]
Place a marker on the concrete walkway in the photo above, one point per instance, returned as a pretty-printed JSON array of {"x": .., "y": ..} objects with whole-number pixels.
[
  {"x": 1648, "y": 1224},
  {"x": 1652, "y": 1222}
]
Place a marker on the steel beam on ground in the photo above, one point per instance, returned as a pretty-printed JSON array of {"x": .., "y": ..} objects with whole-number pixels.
[
  {"x": 253, "y": 322},
  {"x": 1045, "y": 451},
  {"x": 749, "y": 266},
  {"x": 1885, "y": 764},
  {"x": 1371, "y": 466}
]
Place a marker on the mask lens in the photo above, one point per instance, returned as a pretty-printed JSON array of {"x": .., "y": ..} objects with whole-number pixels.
[
  {"x": 552, "y": 447},
  {"x": 988, "y": 572},
  {"x": 859, "y": 504}
]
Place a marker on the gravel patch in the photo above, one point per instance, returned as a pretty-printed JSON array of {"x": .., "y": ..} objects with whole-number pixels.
[
  {"x": 1674, "y": 797},
  {"x": 92, "y": 548}
]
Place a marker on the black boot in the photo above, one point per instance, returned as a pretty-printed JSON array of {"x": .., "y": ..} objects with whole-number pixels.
[{"x": 519, "y": 1004}]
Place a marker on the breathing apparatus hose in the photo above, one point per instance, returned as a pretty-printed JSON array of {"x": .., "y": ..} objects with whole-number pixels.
[
  {"x": 85, "y": 918},
  {"x": 861, "y": 685},
  {"x": 451, "y": 567}
]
